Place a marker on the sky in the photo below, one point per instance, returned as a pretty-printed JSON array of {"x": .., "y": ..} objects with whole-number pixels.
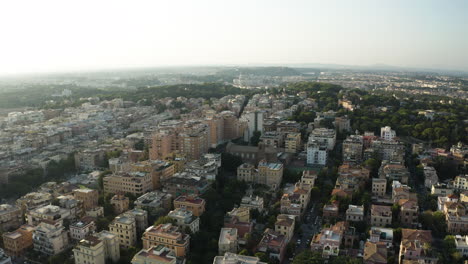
[{"x": 46, "y": 35}]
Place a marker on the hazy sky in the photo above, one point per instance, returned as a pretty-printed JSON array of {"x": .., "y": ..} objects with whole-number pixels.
[{"x": 75, "y": 35}]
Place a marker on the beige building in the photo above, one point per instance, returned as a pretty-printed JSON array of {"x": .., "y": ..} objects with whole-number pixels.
[
  {"x": 230, "y": 258},
  {"x": 168, "y": 236},
  {"x": 158, "y": 169},
  {"x": 461, "y": 182},
  {"x": 285, "y": 226},
  {"x": 194, "y": 204},
  {"x": 111, "y": 245},
  {"x": 120, "y": 203},
  {"x": 17, "y": 242},
  {"x": 79, "y": 230},
  {"x": 124, "y": 227},
  {"x": 141, "y": 218},
  {"x": 292, "y": 143},
  {"x": 90, "y": 251},
  {"x": 242, "y": 213},
  {"x": 48, "y": 212},
  {"x": 185, "y": 219},
  {"x": 163, "y": 145},
  {"x": 270, "y": 174},
  {"x": 50, "y": 237},
  {"x": 136, "y": 183},
  {"x": 379, "y": 187},
  {"x": 228, "y": 241},
  {"x": 10, "y": 217},
  {"x": 355, "y": 213},
  {"x": 88, "y": 197},
  {"x": 246, "y": 172},
  {"x": 381, "y": 215},
  {"x": 155, "y": 255}
]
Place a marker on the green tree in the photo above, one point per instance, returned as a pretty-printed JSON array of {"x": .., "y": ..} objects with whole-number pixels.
[
  {"x": 255, "y": 139},
  {"x": 164, "y": 220},
  {"x": 308, "y": 257}
]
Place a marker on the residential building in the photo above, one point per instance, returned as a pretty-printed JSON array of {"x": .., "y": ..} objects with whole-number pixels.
[
  {"x": 381, "y": 234},
  {"x": 168, "y": 236},
  {"x": 242, "y": 213},
  {"x": 17, "y": 242},
  {"x": 381, "y": 215},
  {"x": 136, "y": 183},
  {"x": 89, "y": 251},
  {"x": 163, "y": 145},
  {"x": 285, "y": 225},
  {"x": 387, "y": 133},
  {"x": 81, "y": 229},
  {"x": 228, "y": 241},
  {"x": 10, "y": 217},
  {"x": 327, "y": 136},
  {"x": 461, "y": 243},
  {"x": 461, "y": 182},
  {"x": 230, "y": 258},
  {"x": 355, "y": 213},
  {"x": 88, "y": 197},
  {"x": 327, "y": 242},
  {"x": 330, "y": 210},
  {"x": 254, "y": 203},
  {"x": 394, "y": 172},
  {"x": 292, "y": 143},
  {"x": 412, "y": 246},
  {"x": 309, "y": 177},
  {"x": 270, "y": 174},
  {"x": 430, "y": 176},
  {"x": 50, "y": 237},
  {"x": 247, "y": 172},
  {"x": 155, "y": 255},
  {"x": 196, "y": 205},
  {"x": 342, "y": 123},
  {"x": 317, "y": 153},
  {"x": 185, "y": 219},
  {"x": 156, "y": 202},
  {"x": 124, "y": 227},
  {"x": 159, "y": 170},
  {"x": 379, "y": 187},
  {"x": 177, "y": 186},
  {"x": 48, "y": 212},
  {"x": 353, "y": 149},
  {"x": 409, "y": 213},
  {"x": 272, "y": 139},
  {"x": 243, "y": 228},
  {"x": 441, "y": 189},
  {"x": 111, "y": 245},
  {"x": 32, "y": 200},
  {"x": 141, "y": 219},
  {"x": 375, "y": 253},
  {"x": 273, "y": 244},
  {"x": 120, "y": 203}
]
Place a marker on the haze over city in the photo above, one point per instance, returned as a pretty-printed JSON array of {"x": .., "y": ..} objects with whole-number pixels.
[{"x": 43, "y": 36}]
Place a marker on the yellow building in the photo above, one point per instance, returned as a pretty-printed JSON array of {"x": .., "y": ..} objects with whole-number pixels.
[
  {"x": 194, "y": 204},
  {"x": 89, "y": 197},
  {"x": 120, "y": 203},
  {"x": 159, "y": 170},
  {"x": 270, "y": 174},
  {"x": 124, "y": 227},
  {"x": 292, "y": 142},
  {"x": 136, "y": 183},
  {"x": 15, "y": 243},
  {"x": 168, "y": 236},
  {"x": 90, "y": 251}
]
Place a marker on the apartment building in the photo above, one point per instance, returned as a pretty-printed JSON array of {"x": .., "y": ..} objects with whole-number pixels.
[
  {"x": 10, "y": 217},
  {"x": 168, "y": 236},
  {"x": 88, "y": 197},
  {"x": 90, "y": 251},
  {"x": 317, "y": 153},
  {"x": 270, "y": 174},
  {"x": 194, "y": 204},
  {"x": 292, "y": 143},
  {"x": 158, "y": 169},
  {"x": 247, "y": 172},
  {"x": 230, "y": 258},
  {"x": 120, "y": 203},
  {"x": 228, "y": 241},
  {"x": 48, "y": 212},
  {"x": 17, "y": 242},
  {"x": 381, "y": 215},
  {"x": 155, "y": 255},
  {"x": 328, "y": 136},
  {"x": 379, "y": 187},
  {"x": 136, "y": 183},
  {"x": 50, "y": 237},
  {"x": 124, "y": 227},
  {"x": 355, "y": 213},
  {"x": 353, "y": 147},
  {"x": 79, "y": 230},
  {"x": 285, "y": 225},
  {"x": 111, "y": 245},
  {"x": 185, "y": 219}
]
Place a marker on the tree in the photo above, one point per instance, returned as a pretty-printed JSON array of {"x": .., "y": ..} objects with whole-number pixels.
[
  {"x": 308, "y": 257},
  {"x": 262, "y": 256},
  {"x": 164, "y": 220},
  {"x": 255, "y": 139},
  {"x": 230, "y": 162},
  {"x": 140, "y": 145},
  {"x": 244, "y": 252}
]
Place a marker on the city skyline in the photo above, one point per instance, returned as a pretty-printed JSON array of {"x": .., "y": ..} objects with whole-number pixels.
[{"x": 52, "y": 36}]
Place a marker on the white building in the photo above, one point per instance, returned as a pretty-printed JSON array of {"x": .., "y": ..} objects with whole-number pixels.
[
  {"x": 228, "y": 241},
  {"x": 254, "y": 123},
  {"x": 316, "y": 153},
  {"x": 324, "y": 135},
  {"x": 387, "y": 133},
  {"x": 461, "y": 243}
]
